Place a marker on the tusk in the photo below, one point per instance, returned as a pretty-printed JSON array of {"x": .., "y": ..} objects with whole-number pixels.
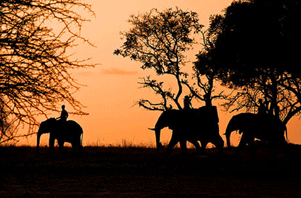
[{"x": 153, "y": 129}]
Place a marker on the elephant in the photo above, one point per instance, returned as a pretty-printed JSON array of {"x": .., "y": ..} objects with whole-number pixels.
[
  {"x": 266, "y": 127},
  {"x": 64, "y": 131},
  {"x": 190, "y": 125}
]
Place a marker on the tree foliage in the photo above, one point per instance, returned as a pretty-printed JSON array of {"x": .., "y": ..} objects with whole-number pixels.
[
  {"x": 159, "y": 41},
  {"x": 255, "y": 51},
  {"x": 205, "y": 70},
  {"x": 35, "y": 64}
]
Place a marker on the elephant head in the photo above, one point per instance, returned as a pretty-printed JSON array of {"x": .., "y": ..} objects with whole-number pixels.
[
  {"x": 237, "y": 122},
  {"x": 157, "y": 133},
  {"x": 265, "y": 127},
  {"x": 45, "y": 127},
  {"x": 165, "y": 120}
]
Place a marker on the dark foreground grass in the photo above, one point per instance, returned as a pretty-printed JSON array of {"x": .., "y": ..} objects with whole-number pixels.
[{"x": 142, "y": 172}]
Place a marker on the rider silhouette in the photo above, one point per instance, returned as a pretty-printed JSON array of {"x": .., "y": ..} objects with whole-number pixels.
[
  {"x": 187, "y": 103},
  {"x": 208, "y": 100},
  {"x": 64, "y": 114},
  {"x": 262, "y": 108}
]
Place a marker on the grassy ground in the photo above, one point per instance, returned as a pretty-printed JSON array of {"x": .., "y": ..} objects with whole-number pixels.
[{"x": 142, "y": 172}]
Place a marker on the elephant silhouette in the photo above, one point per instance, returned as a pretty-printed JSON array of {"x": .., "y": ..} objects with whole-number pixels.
[
  {"x": 265, "y": 127},
  {"x": 68, "y": 131},
  {"x": 191, "y": 125}
]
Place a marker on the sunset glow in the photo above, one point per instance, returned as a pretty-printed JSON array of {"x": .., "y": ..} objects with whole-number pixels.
[
  {"x": 111, "y": 90},
  {"x": 150, "y": 98}
]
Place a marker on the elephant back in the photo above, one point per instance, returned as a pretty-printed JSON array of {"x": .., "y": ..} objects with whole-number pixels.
[
  {"x": 67, "y": 128},
  {"x": 274, "y": 127},
  {"x": 72, "y": 125},
  {"x": 208, "y": 114}
]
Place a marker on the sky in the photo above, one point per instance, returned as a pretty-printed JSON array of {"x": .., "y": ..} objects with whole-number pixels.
[{"x": 111, "y": 89}]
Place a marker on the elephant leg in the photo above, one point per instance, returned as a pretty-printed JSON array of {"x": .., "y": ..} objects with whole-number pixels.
[
  {"x": 203, "y": 148},
  {"x": 242, "y": 144},
  {"x": 172, "y": 143},
  {"x": 219, "y": 143},
  {"x": 51, "y": 144},
  {"x": 183, "y": 147},
  {"x": 274, "y": 146},
  {"x": 61, "y": 145},
  {"x": 246, "y": 138},
  {"x": 196, "y": 145},
  {"x": 243, "y": 141},
  {"x": 81, "y": 149},
  {"x": 251, "y": 144},
  {"x": 76, "y": 147}
]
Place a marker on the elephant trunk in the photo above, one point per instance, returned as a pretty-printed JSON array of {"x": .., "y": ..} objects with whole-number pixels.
[
  {"x": 158, "y": 133},
  {"x": 228, "y": 132},
  {"x": 228, "y": 139},
  {"x": 40, "y": 132}
]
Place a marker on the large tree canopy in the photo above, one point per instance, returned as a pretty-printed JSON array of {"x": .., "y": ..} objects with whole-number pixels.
[
  {"x": 35, "y": 36},
  {"x": 159, "y": 41},
  {"x": 256, "y": 49},
  {"x": 257, "y": 35}
]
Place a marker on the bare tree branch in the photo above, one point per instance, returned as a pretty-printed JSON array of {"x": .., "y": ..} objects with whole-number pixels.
[
  {"x": 159, "y": 40},
  {"x": 35, "y": 62}
]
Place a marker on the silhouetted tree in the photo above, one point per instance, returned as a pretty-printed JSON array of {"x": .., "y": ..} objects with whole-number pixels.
[
  {"x": 205, "y": 70},
  {"x": 159, "y": 41},
  {"x": 35, "y": 36},
  {"x": 255, "y": 51}
]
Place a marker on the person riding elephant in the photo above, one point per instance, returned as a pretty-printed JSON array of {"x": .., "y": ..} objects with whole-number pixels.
[
  {"x": 64, "y": 114},
  {"x": 68, "y": 131},
  {"x": 187, "y": 103},
  {"x": 262, "y": 109},
  {"x": 191, "y": 125}
]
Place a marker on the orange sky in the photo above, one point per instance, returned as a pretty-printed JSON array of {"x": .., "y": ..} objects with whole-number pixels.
[{"x": 111, "y": 89}]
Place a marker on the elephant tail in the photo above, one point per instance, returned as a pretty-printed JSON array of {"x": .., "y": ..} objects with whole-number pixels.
[
  {"x": 81, "y": 139},
  {"x": 285, "y": 131},
  {"x": 228, "y": 133}
]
